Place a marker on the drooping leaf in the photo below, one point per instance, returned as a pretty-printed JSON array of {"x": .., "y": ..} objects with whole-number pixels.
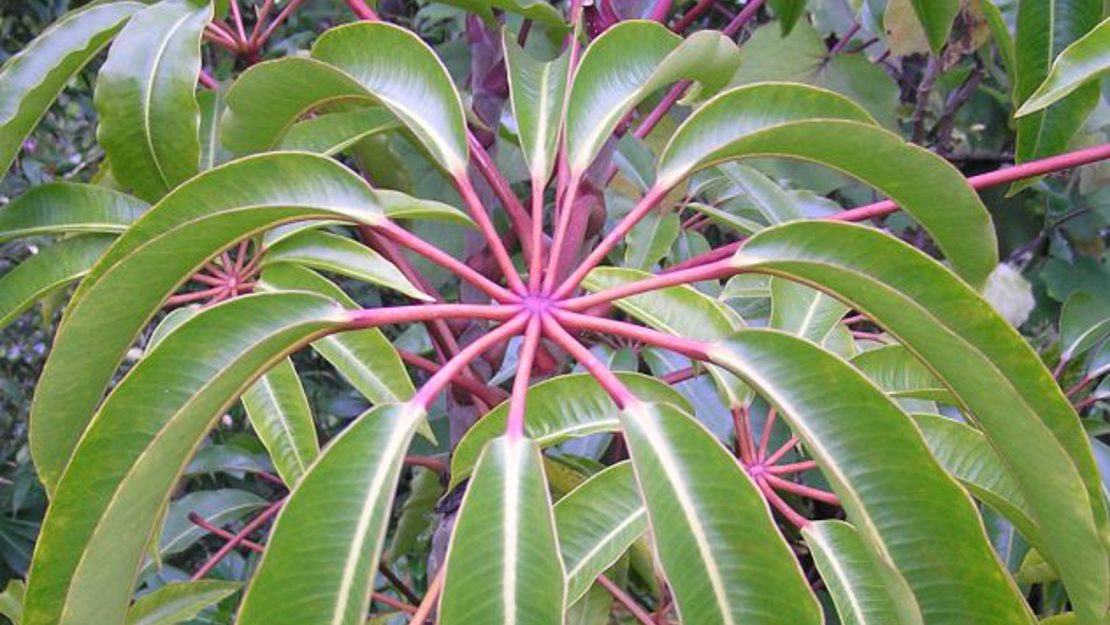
[
  {"x": 986, "y": 364},
  {"x": 279, "y": 413},
  {"x": 369, "y": 62},
  {"x": 804, "y": 311},
  {"x": 108, "y": 500},
  {"x": 625, "y": 65},
  {"x": 1044, "y": 29},
  {"x": 47, "y": 271},
  {"x": 559, "y": 409},
  {"x": 788, "y": 12},
  {"x": 1084, "y": 321},
  {"x": 33, "y": 78},
  {"x": 596, "y": 523},
  {"x": 908, "y": 510},
  {"x": 851, "y": 574},
  {"x": 1083, "y": 61},
  {"x": 504, "y": 554},
  {"x": 778, "y": 120},
  {"x": 968, "y": 457},
  {"x": 344, "y": 502},
  {"x": 148, "y": 262},
  {"x": 365, "y": 358},
  {"x": 219, "y": 507},
  {"x": 717, "y": 543},
  {"x": 145, "y": 97},
  {"x": 324, "y": 251},
  {"x": 65, "y": 207},
  {"x": 896, "y": 371},
  {"x": 335, "y": 132},
  {"x": 538, "y": 94},
  {"x": 178, "y": 602}
]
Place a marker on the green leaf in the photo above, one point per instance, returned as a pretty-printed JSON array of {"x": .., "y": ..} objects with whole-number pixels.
[
  {"x": 503, "y": 552},
  {"x": 908, "y": 510},
  {"x": 596, "y": 523},
  {"x": 537, "y": 10},
  {"x": 211, "y": 109},
  {"x": 778, "y": 120},
  {"x": 47, "y": 271},
  {"x": 365, "y": 358},
  {"x": 715, "y": 537},
  {"x": 936, "y": 17},
  {"x": 279, "y": 413},
  {"x": 59, "y": 207},
  {"x": 415, "y": 518},
  {"x": 11, "y": 601},
  {"x": 336, "y": 254},
  {"x": 765, "y": 194},
  {"x": 802, "y": 311},
  {"x": 538, "y": 94},
  {"x": 33, "y": 78},
  {"x": 343, "y": 503},
  {"x": 626, "y": 64},
  {"x": 1000, "y": 31},
  {"x": 898, "y": 373},
  {"x": 105, "y": 507},
  {"x": 335, "y": 132},
  {"x": 179, "y": 602},
  {"x": 146, "y": 98},
  {"x": 651, "y": 239},
  {"x": 157, "y": 254},
  {"x": 1085, "y": 60},
  {"x": 965, "y": 453},
  {"x": 1044, "y": 29},
  {"x": 218, "y": 507},
  {"x": 363, "y": 62},
  {"x": 1084, "y": 321},
  {"x": 560, "y": 409},
  {"x": 987, "y": 365},
  {"x": 851, "y": 574},
  {"x": 788, "y": 12}
]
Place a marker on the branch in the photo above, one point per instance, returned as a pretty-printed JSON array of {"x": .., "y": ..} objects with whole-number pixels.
[
  {"x": 230, "y": 545},
  {"x": 493, "y": 239},
  {"x": 522, "y": 223},
  {"x": 514, "y": 428},
  {"x": 444, "y": 376},
  {"x": 489, "y": 394},
  {"x": 712, "y": 271},
  {"x": 626, "y": 601},
  {"x": 697, "y": 350},
  {"x": 374, "y": 317},
  {"x": 608, "y": 381}
]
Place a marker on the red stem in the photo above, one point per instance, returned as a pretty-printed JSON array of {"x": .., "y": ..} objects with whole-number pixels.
[
  {"x": 608, "y": 381},
  {"x": 660, "y": 11},
  {"x": 740, "y": 425},
  {"x": 798, "y": 489},
  {"x": 292, "y": 6},
  {"x": 687, "y": 347},
  {"x": 713, "y": 271},
  {"x": 247, "y": 530},
  {"x": 564, "y": 208},
  {"x": 522, "y": 223},
  {"x": 514, "y": 428},
  {"x": 535, "y": 262},
  {"x": 209, "y": 280},
  {"x": 405, "y": 238},
  {"x": 428, "y": 462},
  {"x": 195, "y": 296},
  {"x": 444, "y": 376},
  {"x": 781, "y": 451},
  {"x": 489, "y": 394},
  {"x": 681, "y": 375},
  {"x": 362, "y": 10},
  {"x": 238, "y": 17},
  {"x": 765, "y": 438},
  {"x": 688, "y": 18},
  {"x": 626, "y": 601},
  {"x": 200, "y": 522},
  {"x": 615, "y": 236},
  {"x": 374, "y": 317},
  {"x": 263, "y": 13},
  {"x": 485, "y": 226},
  {"x": 784, "y": 508},
  {"x": 796, "y": 467}
]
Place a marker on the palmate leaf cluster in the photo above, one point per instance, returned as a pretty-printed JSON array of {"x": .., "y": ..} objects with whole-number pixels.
[{"x": 517, "y": 312}]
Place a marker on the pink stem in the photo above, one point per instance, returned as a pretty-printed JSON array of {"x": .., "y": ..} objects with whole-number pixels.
[
  {"x": 713, "y": 271},
  {"x": 209, "y": 280},
  {"x": 994, "y": 178},
  {"x": 515, "y": 427},
  {"x": 1090, "y": 401},
  {"x": 687, "y": 347},
  {"x": 535, "y": 264},
  {"x": 608, "y": 381},
  {"x": 712, "y": 256},
  {"x": 478, "y": 213},
  {"x": 681, "y": 375},
  {"x": 200, "y": 522},
  {"x": 615, "y": 236},
  {"x": 207, "y": 81},
  {"x": 688, "y": 18},
  {"x": 522, "y": 223},
  {"x": 238, "y": 17},
  {"x": 742, "y": 428},
  {"x": 374, "y": 317},
  {"x": 765, "y": 438},
  {"x": 627, "y": 602},
  {"x": 781, "y": 451},
  {"x": 489, "y": 394},
  {"x": 403, "y": 237},
  {"x": 195, "y": 296},
  {"x": 289, "y": 8},
  {"x": 362, "y": 10},
  {"x": 565, "y": 208},
  {"x": 805, "y": 491},
  {"x": 247, "y": 530},
  {"x": 263, "y": 13},
  {"x": 787, "y": 469},
  {"x": 660, "y": 11},
  {"x": 444, "y": 376},
  {"x": 784, "y": 508}
]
